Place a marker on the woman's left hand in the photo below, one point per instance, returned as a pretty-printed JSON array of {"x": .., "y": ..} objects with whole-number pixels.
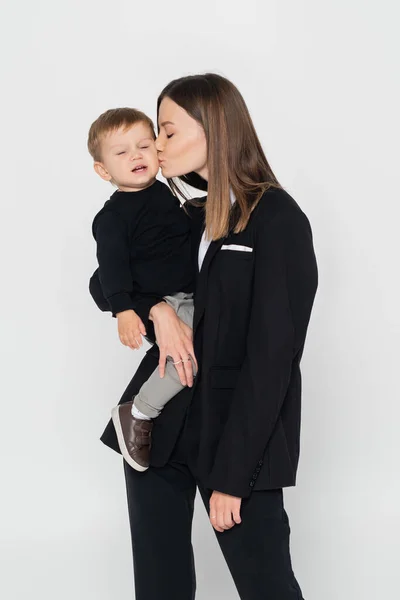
[
  {"x": 174, "y": 340},
  {"x": 224, "y": 511}
]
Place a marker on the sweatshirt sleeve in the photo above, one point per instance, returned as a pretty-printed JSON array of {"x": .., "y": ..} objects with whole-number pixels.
[
  {"x": 284, "y": 286},
  {"x": 113, "y": 257},
  {"x": 114, "y": 273},
  {"x": 97, "y": 293}
]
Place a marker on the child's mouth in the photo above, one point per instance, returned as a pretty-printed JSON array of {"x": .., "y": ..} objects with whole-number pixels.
[{"x": 139, "y": 169}]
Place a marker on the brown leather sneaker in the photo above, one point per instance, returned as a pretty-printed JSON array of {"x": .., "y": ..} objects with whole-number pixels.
[{"x": 134, "y": 436}]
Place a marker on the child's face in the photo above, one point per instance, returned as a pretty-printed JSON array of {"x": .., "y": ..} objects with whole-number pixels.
[{"x": 129, "y": 158}]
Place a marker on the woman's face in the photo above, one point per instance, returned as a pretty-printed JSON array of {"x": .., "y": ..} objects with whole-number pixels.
[{"x": 181, "y": 143}]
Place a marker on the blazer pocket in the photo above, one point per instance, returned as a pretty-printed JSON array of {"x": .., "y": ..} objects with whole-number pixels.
[
  {"x": 224, "y": 377},
  {"x": 237, "y": 248}
]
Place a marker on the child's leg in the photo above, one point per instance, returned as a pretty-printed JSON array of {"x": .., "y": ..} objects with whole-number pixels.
[
  {"x": 132, "y": 420},
  {"x": 156, "y": 392}
]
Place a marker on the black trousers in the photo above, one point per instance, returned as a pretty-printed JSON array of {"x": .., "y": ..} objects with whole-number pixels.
[{"x": 161, "y": 503}]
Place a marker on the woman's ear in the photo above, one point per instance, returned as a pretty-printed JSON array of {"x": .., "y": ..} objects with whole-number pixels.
[{"x": 102, "y": 171}]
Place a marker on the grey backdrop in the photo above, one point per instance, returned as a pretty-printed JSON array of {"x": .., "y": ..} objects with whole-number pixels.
[{"x": 322, "y": 86}]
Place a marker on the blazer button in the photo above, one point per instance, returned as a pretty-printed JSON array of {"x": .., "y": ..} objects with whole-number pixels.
[
  {"x": 260, "y": 462},
  {"x": 251, "y": 483}
]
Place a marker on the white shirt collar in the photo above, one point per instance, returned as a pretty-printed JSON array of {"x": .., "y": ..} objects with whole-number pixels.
[{"x": 204, "y": 242}]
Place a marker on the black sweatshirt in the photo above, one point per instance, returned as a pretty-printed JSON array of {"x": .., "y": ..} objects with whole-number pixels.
[{"x": 143, "y": 249}]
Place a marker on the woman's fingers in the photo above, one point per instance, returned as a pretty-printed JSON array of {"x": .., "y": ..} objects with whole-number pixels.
[
  {"x": 213, "y": 521},
  {"x": 189, "y": 358},
  {"x": 228, "y": 521},
  {"x": 224, "y": 520},
  {"x": 174, "y": 340},
  {"x": 188, "y": 369},
  {"x": 190, "y": 353},
  {"x": 161, "y": 362},
  {"x": 178, "y": 364},
  {"x": 185, "y": 368},
  {"x": 224, "y": 511},
  {"x": 188, "y": 331},
  {"x": 236, "y": 515}
]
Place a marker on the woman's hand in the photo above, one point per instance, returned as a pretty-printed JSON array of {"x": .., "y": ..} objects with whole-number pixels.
[
  {"x": 130, "y": 329},
  {"x": 188, "y": 331},
  {"x": 224, "y": 511},
  {"x": 173, "y": 339}
]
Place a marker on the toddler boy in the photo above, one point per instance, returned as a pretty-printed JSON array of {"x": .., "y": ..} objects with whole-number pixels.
[{"x": 144, "y": 255}]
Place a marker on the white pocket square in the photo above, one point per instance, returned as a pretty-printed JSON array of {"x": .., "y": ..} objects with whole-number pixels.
[{"x": 237, "y": 247}]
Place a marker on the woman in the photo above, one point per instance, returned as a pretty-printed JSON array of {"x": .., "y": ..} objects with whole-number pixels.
[{"x": 235, "y": 434}]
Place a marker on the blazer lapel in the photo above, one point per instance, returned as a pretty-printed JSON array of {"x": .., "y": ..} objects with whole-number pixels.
[
  {"x": 202, "y": 278},
  {"x": 196, "y": 215}
]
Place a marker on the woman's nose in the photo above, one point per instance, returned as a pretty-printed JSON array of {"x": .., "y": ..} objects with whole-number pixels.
[{"x": 159, "y": 146}]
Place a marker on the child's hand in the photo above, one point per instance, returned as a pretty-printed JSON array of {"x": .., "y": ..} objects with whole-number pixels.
[{"x": 130, "y": 329}]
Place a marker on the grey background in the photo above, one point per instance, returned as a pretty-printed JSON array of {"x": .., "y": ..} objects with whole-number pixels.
[{"x": 321, "y": 83}]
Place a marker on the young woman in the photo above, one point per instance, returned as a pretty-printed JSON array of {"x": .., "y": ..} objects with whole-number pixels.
[{"x": 235, "y": 434}]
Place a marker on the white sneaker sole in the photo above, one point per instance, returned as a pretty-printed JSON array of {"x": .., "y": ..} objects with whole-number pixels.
[{"x": 121, "y": 441}]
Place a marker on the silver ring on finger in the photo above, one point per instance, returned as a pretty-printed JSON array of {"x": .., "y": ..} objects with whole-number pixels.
[{"x": 177, "y": 362}]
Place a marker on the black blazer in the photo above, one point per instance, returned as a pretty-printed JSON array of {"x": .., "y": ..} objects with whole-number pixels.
[{"x": 253, "y": 301}]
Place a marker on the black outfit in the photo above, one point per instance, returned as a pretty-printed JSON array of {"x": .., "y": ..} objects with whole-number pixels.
[
  {"x": 143, "y": 250},
  {"x": 238, "y": 430}
]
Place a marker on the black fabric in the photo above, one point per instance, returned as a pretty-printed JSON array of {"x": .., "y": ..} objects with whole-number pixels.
[
  {"x": 161, "y": 504},
  {"x": 143, "y": 250},
  {"x": 251, "y": 315}
]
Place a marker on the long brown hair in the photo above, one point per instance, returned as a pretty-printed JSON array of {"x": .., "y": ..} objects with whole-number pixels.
[{"x": 235, "y": 157}]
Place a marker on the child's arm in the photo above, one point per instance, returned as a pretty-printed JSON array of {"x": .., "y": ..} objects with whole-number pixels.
[
  {"x": 130, "y": 329},
  {"x": 112, "y": 253},
  {"x": 115, "y": 280},
  {"x": 96, "y": 292},
  {"x": 143, "y": 304}
]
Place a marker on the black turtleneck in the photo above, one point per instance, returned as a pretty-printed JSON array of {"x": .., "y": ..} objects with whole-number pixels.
[{"x": 143, "y": 248}]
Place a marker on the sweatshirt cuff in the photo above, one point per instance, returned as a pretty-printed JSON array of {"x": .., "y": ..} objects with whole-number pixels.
[
  {"x": 120, "y": 302},
  {"x": 144, "y": 304}
]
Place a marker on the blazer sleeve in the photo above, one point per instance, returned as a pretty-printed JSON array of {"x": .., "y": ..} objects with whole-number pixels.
[
  {"x": 284, "y": 286},
  {"x": 113, "y": 277}
]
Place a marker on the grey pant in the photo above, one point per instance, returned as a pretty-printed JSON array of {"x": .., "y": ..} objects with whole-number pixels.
[{"x": 156, "y": 392}]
